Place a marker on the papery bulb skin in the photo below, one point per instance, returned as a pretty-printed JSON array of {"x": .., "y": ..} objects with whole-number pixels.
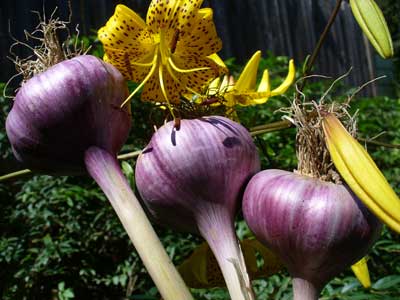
[
  {"x": 317, "y": 228},
  {"x": 204, "y": 163},
  {"x": 58, "y": 114},
  {"x": 192, "y": 179}
]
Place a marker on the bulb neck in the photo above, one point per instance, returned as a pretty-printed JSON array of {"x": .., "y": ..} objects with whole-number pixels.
[
  {"x": 304, "y": 289},
  {"x": 105, "y": 170},
  {"x": 216, "y": 225}
]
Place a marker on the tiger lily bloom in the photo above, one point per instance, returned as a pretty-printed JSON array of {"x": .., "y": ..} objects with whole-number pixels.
[
  {"x": 172, "y": 52},
  {"x": 361, "y": 173},
  {"x": 243, "y": 91}
]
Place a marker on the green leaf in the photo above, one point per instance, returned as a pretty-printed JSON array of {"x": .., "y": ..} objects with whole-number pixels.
[{"x": 386, "y": 282}]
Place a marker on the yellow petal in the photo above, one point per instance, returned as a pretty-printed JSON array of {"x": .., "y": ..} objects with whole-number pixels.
[
  {"x": 253, "y": 248},
  {"x": 174, "y": 88},
  {"x": 361, "y": 173},
  {"x": 125, "y": 30},
  {"x": 199, "y": 37},
  {"x": 201, "y": 269},
  {"x": 127, "y": 43},
  {"x": 264, "y": 85},
  {"x": 219, "y": 62},
  {"x": 360, "y": 269},
  {"x": 121, "y": 61},
  {"x": 171, "y": 14},
  {"x": 200, "y": 79},
  {"x": 249, "y": 98},
  {"x": 287, "y": 82},
  {"x": 214, "y": 86},
  {"x": 373, "y": 24},
  {"x": 248, "y": 77}
]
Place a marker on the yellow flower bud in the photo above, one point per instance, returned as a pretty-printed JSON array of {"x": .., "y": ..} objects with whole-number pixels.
[{"x": 373, "y": 24}]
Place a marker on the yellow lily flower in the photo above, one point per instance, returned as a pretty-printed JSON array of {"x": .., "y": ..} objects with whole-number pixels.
[
  {"x": 361, "y": 173},
  {"x": 243, "y": 92},
  {"x": 201, "y": 269},
  {"x": 171, "y": 53}
]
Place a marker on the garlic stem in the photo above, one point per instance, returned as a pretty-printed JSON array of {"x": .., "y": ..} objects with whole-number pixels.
[
  {"x": 216, "y": 226},
  {"x": 105, "y": 170},
  {"x": 304, "y": 290}
]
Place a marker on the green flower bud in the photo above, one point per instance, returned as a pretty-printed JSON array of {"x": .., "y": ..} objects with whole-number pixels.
[{"x": 373, "y": 24}]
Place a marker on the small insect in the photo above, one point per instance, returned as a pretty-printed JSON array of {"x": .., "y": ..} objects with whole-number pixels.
[
  {"x": 212, "y": 99},
  {"x": 174, "y": 41}
]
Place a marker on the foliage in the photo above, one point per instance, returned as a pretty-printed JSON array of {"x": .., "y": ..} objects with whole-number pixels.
[{"x": 60, "y": 238}]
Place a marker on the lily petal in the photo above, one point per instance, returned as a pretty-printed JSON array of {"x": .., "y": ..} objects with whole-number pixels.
[
  {"x": 361, "y": 173},
  {"x": 248, "y": 77},
  {"x": 287, "y": 82},
  {"x": 171, "y": 14},
  {"x": 128, "y": 68},
  {"x": 196, "y": 80},
  {"x": 360, "y": 269},
  {"x": 199, "y": 37},
  {"x": 125, "y": 30},
  {"x": 127, "y": 43},
  {"x": 174, "y": 88},
  {"x": 264, "y": 85},
  {"x": 250, "y": 98},
  {"x": 201, "y": 269}
]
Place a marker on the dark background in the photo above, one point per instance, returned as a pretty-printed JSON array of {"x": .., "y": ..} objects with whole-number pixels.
[{"x": 284, "y": 27}]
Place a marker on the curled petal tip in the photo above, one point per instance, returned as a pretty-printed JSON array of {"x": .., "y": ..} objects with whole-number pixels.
[
  {"x": 248, "y": 77},
  {"x": 360, "y": 173},
  {"x": 287, "y": 82}
]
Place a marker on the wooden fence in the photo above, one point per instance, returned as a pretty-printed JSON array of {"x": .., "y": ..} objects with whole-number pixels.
[{"x": 284, "y": 27}]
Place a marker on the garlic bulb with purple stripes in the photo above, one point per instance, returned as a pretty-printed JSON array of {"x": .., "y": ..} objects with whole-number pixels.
[
  {"x": 69, "y": 120},
  {"x": 317, "y": 228},
  {"x": 192, "y": 179},
  {"x": 61, "y": 112}
]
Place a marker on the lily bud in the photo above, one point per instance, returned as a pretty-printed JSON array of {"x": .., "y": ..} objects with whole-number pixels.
[
  {"x": 361, "y": 173},
  {"x": 373, "y": 24}
]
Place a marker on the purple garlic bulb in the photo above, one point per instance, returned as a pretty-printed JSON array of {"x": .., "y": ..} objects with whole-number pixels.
[
  {"x": 69, "y": 120},
  {"x": 317, "y": 228},
  {"x": 58, "y": 114},
  {"x": 192, "y": 179}
]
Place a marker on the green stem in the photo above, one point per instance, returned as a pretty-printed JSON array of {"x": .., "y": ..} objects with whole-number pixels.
[
  {"x": 15, "y": 174},
  {"x": 254, "y": 131},
  {"x": 105, "y": 170}
]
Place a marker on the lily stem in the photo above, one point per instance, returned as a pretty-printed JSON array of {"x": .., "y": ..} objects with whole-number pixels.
[
  {"x": 318, "y": 47},
  {"x": 254, "y": 131},
  {"x": 105, "y": 170}
]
